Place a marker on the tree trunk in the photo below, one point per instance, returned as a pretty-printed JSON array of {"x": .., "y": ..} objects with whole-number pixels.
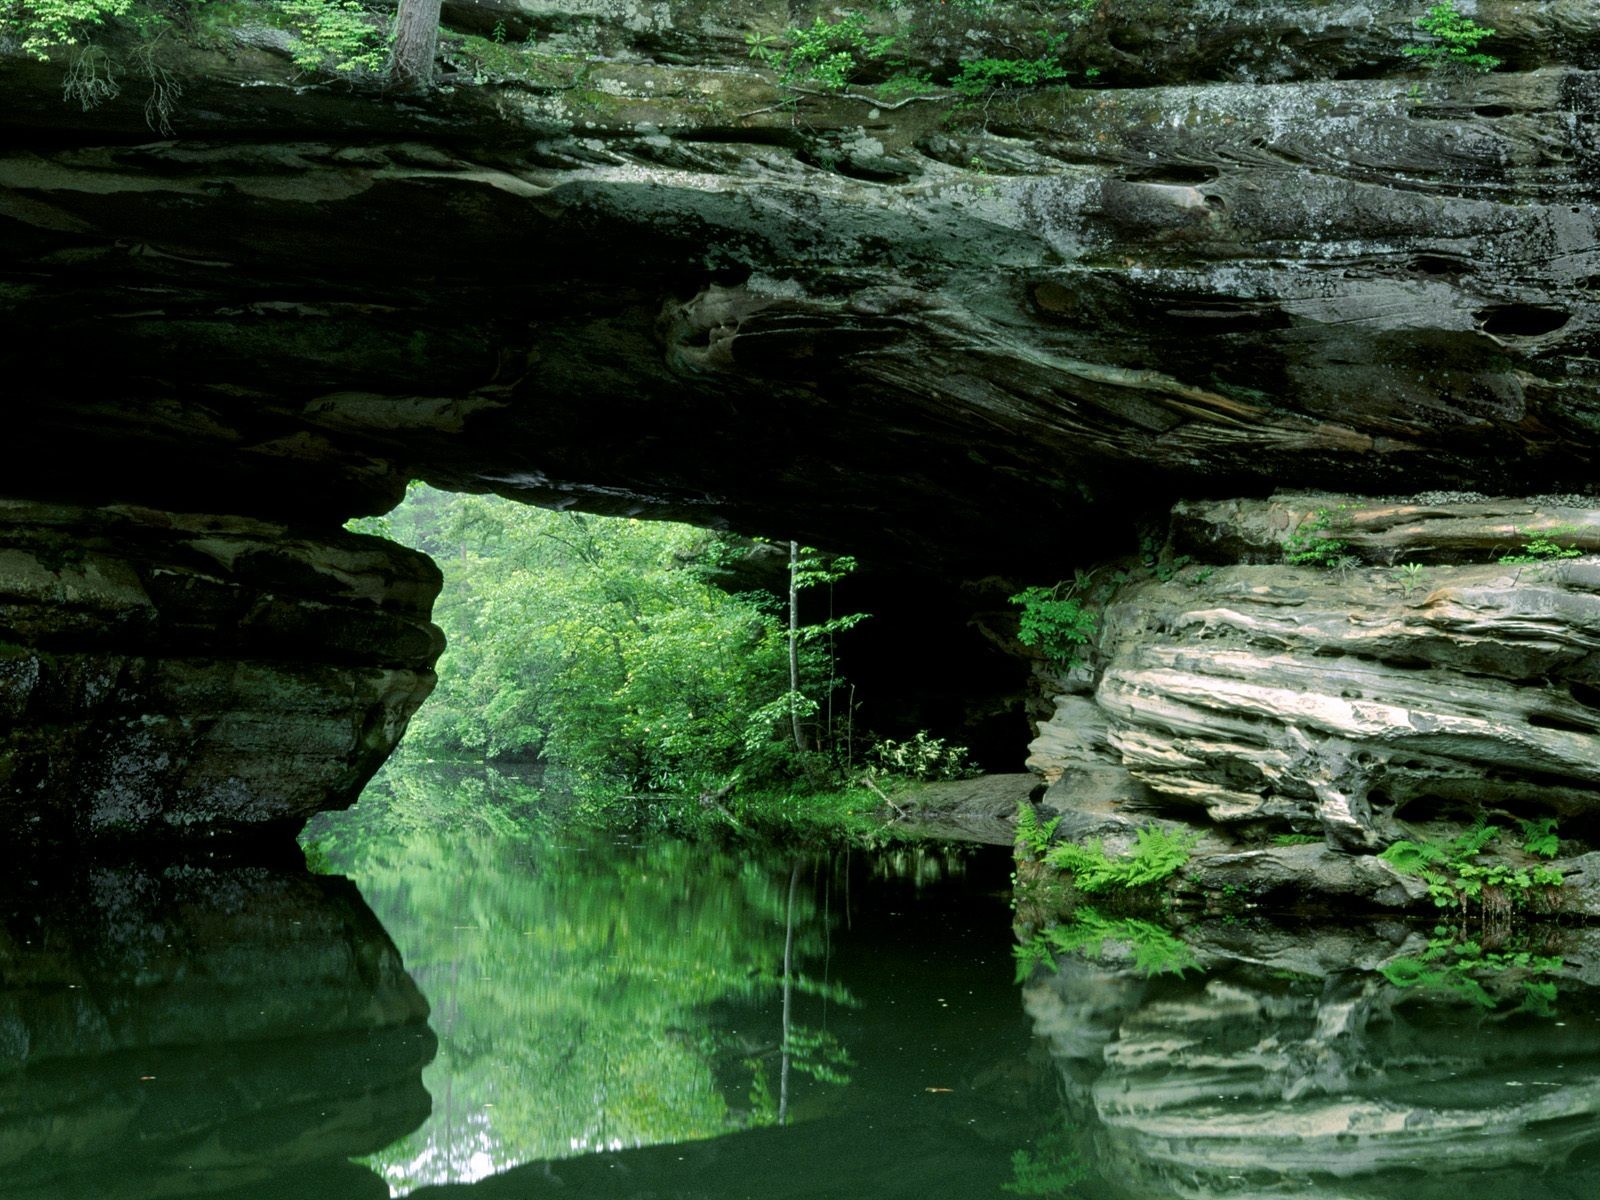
[
  {"x": 794, "y": 645},
  {"x": 416, "y": 40}
]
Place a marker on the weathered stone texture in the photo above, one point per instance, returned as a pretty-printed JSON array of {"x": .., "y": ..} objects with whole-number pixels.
[
  {"x": 1250, "y": 252},
  {"x": 1290, "y": 1062},
  {"x": 156, "y": 1021},
  {"x": 172, "y": 677},
  {"x": 624, "y": 269},
  {"x": 1361, "y": 704}
]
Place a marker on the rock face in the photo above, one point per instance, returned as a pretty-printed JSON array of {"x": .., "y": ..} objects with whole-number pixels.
[
  {"x": 615, "y": 262},
  {"x": 1358, "y": 703},
  {"x": 1254, "y": 248},
  {"x": 168, "y": 677}
]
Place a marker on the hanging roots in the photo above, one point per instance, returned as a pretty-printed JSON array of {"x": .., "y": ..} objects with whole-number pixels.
[
  {"x": 165, "y": 91},
  {"x": 91, "y": 78}
]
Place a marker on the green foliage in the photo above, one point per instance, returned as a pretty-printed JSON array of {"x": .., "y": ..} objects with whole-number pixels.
[
  {"x": 1455, "y": 40},
  {"x": 1298, "y": 839},
  {"x": 1052, "y": 1168},
  {"x": 1154, "y": 950},
  {"x": 1542, "y": 547},
  {"x": 922, "y": 757},
  {"x": 1460, "y": 967},
  {"x": 819, "y": 1054},
  {"x": 1033, "y": 835},
  {"x": 906, "y": 83},
  {"x": 337, "y": 35},
  {"x": 1156, "y": 854},
  {"x": 589, "y": 992},
  {"x": 1410, "y": 577},
  {"x": 1539, "y": 837},
  {"x": 601, "y": 648},
  {"x": 1456, "y": 878},
  {"x": 593, "y": 645},
  {"x": 1309, "y": 545},
  {"x": 977, "y": 77},
  {"x": 45, "y": 25},
  {"x": 827, "y": 54},
  {"x": 1054, "y": 624}
]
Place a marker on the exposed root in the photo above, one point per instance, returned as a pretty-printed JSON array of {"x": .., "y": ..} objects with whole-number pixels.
[
  {"x": 165, "y": 91},
  {"x": 91, "y": 78}
]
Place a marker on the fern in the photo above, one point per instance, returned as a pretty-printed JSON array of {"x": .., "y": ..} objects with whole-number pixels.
[
  {"x": 1155, "y": 856},
  {"x": 1034, "y": 835}
]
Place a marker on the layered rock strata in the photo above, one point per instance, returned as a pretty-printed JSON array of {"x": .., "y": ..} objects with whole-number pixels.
[
  {"x": 1351, "y": 702},
  {"x": 618, "y": 263},
  {"x": 613, "y": 261},
  {"x": 171, "y": 677}
]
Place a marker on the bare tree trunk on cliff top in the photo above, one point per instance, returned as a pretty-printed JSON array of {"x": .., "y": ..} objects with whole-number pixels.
[{"x": 416, "y": 40}]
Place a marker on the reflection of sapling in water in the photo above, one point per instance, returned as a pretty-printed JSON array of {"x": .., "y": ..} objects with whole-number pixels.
[{"x": 1052, "y": 1168}]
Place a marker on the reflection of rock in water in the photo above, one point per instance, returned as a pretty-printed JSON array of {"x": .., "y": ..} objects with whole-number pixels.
[
  {"x": 1324, "y": 1080},
  {"x": 198, "y": 1030}
]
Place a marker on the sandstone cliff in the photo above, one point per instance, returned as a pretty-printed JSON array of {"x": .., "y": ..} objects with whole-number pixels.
[{"x": 613, "y": 261}]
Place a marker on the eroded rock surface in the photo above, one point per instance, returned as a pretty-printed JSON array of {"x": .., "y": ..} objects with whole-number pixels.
[
  {"x": 1354, "y": 703},
  {"x": 615, "y": 262},
  {"x": 172, "y": 677},
  {"x": 1255, "y": 248}
]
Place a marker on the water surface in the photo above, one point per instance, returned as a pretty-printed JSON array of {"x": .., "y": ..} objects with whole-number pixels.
[{"x": 474, "y": 1016}]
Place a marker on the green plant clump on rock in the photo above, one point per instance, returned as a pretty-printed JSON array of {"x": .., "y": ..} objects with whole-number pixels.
[
  {"x": 1155, "y": 856},
  {"x": 826, "y": 54},
  {"x": 1456, "y": 878},
  {"x": 1054, "y": 624},
  {"x": 1310, "y": 546},
  {"x": 1542, "y": 547},
  {"x": 1455, "y": 40}
]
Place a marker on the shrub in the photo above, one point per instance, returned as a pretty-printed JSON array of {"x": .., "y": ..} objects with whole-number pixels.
[
  {"x": 923, "y": 757},
  {"x": 1455, "y": 41},
  {"x": 44, "y": 25},
  {"x": 1309, "y": 545},
  {"x": 1542, "y": 547},
  {"x": 827, "y": 54},
  {"x": 1053, "y": 624}
]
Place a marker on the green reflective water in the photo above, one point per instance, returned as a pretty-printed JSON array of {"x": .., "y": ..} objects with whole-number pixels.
[
  {"x": 591, "y": 995},
  {"x": 561, "y": 1015}
]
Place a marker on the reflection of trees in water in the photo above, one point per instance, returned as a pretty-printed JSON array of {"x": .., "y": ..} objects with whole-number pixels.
[
  {"x": 1307, "y": 1072},
  {"x": 594, "y": 996}
]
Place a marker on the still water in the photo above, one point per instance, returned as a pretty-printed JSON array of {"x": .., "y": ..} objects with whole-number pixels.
[{"x": 472, "y": 1017}]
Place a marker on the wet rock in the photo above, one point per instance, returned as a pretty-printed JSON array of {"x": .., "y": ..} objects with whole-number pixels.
[
  {"x": 982, "y": 809},
  {"x": 1256, "y": 248},
  {"x": 178, "y": 677},
  {"x": 623, "y": 268},
  {"x": 1288, "y": 1062}
]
